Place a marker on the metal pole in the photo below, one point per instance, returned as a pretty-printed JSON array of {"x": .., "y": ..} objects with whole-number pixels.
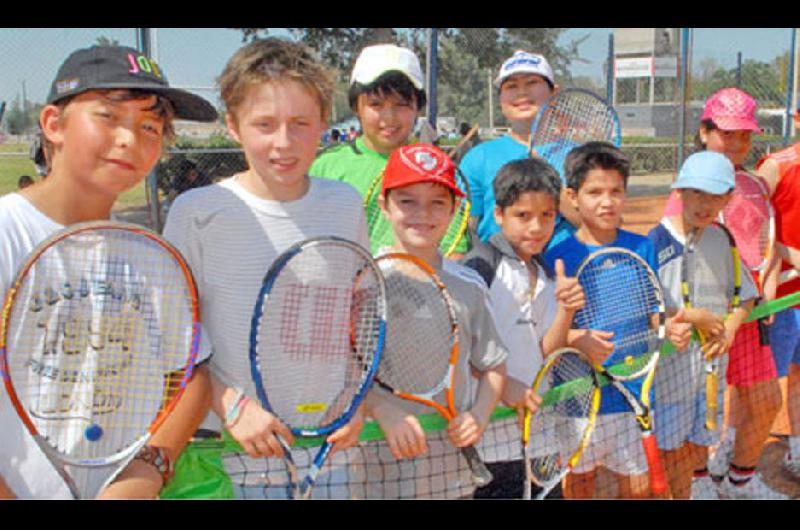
[
  {"x": 431, "y": 67},
  {"x": 739, "y": 70},
  {"x": 791, "y": 99},
  {"x": 143, "y": 43},
  {"x": 491, "y": 101},
  {"x": 684, "y": 71},
  {"x": 610, "y": 71}
]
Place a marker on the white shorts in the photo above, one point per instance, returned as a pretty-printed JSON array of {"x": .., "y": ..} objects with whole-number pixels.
[{"x": 615, "y": 444}]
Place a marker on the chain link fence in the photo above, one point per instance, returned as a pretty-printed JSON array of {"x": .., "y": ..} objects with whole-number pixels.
[{"x": 639, "y": 72}]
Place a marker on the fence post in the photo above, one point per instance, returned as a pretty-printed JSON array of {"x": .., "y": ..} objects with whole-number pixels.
[
  {"x": 791, "y": 72},
  {"x": 431, "y": 67},
  {"x": 684, "y": 75},
  {"x": 610, "y": 70},
  {"x": 143, "y": 42}
]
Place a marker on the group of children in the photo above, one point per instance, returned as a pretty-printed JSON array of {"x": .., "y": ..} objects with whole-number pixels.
[{"x": 104, "y": 128}]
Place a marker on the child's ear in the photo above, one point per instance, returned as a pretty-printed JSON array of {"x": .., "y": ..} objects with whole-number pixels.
[
  {"x": 382, "y": 202},
  {"x": 51, "y": 122},
  {"x": 498, "y": 215},
  {"x": 231, "y": 124}
]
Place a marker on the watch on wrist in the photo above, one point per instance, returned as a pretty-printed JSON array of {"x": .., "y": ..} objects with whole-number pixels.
[{"x": 157, "y": 457}]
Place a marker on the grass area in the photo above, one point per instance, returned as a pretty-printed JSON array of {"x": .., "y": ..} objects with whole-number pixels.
[{"x": 11, "y": 167}]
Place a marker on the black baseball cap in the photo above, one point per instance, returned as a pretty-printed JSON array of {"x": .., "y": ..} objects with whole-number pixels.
[{"x": 120, "y": 67}]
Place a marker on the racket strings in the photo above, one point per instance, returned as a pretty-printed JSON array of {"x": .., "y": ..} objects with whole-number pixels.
[
  {"x": 101, "y": 320},
  {"x": 317, "y": 334},
  {"x": 623, "y": 299},
  {"x": 419, "y": 339},
  {"x": 748, "y": 217},
  {"x": 558, "y": 431}
]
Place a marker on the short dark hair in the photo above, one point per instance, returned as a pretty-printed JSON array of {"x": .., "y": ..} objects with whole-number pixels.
[
  {"x": 522, "y": 176},
  {"x": 392, "y": 82},
  {"x": 594, "y": 155},
  {"x": 707, "y": 124}
]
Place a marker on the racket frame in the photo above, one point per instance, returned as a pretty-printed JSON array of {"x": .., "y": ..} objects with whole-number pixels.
[
  {"x": 640, "y": 406},
  {"x": 124, "y": 456},
  {"x": 586, "y": 436},
  {"x": 302, "y": 489},
  {"x": 480, "y": 473}
]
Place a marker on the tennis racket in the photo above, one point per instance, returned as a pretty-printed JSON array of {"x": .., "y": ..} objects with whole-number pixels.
[
  {"x": 562, "y": 430},
  {"x": 569, "y": 119},
  {"x": 623, "y": 295},
  {"x": 316, "y": 338},
  {"x": 380, "y": 230},
  {"x": 99, "y": 337},
  {"x": 750, "y": 219},
  {"x": 421, "y": 356},
  {"x": 702, "y": 286},
  {"x": 453, "y": 151}
]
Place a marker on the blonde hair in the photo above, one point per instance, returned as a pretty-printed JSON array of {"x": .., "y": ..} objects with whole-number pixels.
[{"x": 271, "y": 60}]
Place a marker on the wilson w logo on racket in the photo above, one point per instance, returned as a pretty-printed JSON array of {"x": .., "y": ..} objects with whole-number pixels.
[
  {"x": 99, "y": 337},
  {"x": 316, "y": 337}
]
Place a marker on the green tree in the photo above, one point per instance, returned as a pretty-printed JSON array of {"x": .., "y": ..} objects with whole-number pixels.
[
  {"x": 105, "y": 41},
  {"x": 17, "y": 120}
]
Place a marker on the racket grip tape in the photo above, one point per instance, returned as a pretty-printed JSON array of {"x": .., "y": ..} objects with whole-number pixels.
[
  {"x": 481, "y": 475},
  {"x": 658, "y": 478},
  {"x": 712, "y": 405}
]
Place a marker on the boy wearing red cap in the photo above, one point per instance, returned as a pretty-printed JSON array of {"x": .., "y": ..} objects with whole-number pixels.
[{"x": 419, "y": 196}]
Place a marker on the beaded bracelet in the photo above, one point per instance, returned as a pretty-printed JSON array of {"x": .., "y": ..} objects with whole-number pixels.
[{"x": 233, "y": 412}]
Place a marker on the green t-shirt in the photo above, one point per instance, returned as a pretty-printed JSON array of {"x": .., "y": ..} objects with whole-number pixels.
[{"x": 359, "y": 166}]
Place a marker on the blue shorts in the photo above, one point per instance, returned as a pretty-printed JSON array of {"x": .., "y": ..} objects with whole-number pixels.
[
  {"x": 685, "y": 421},
  {"x": 784, "y": 338}
]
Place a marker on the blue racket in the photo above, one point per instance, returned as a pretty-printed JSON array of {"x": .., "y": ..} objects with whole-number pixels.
[
  {"x": 569, "y": 119},
  {"x": 316, "y": 338}
]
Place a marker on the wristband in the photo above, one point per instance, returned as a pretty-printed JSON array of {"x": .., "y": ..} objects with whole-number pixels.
[
  {"x": 157, "y": 457},
  {"x": 232, "y": 414}
]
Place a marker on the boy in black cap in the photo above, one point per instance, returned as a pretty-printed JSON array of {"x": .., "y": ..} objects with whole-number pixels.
[{"x": 104, "y": 126}]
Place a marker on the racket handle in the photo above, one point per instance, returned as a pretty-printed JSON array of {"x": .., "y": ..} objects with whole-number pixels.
[
  {"x": 481, "y": 475},
  {"x": 712, "y": 382},
  {"x": 658, "y": 478},
  {"x": 526, "y": 475}
]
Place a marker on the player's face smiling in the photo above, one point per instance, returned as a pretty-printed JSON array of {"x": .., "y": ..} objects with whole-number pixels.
[
  {"x": 279, "y": 125},
  {"x": 700, "y": 209},
  {"x": 105, "y": 143},
  {"x": 521, "y": 96},
  {"x": 600, "y": 200},
  {"x": 386, "y": 120},
  {"x": 528, "y": 223},
  {"x": 420, "y": 214},
  {"x": 733, "y": 144}
]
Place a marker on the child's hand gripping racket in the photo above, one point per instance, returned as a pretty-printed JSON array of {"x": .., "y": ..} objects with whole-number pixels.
[
  {"x": 702, "y": 287},
  {"x": 99, "y": 338},
  {"x": 623, "y": 296},
  {"x": 569, "y": 119},
  {"x": 316, "y": 338},
  {"x": 559, "y": 430},
  {"x": 421, "y": 354}
]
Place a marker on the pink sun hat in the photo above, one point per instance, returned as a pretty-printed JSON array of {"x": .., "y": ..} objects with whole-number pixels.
[{"x": 732, "y": 109}]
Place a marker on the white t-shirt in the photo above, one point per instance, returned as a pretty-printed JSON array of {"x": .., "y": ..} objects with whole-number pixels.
[
  {"x": 24, "y": 467},
  {"x": 230, "y": 237}
]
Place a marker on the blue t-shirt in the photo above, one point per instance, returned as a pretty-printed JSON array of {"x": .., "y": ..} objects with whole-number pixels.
[
  {"x": 572, "y": 252},
  {"x": 480, "y": 165}
]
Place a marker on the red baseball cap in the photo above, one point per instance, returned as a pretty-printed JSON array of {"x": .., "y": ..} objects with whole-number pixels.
[
  {"x": 415, "y": 163},
  {"x": 732, "y": 109}
]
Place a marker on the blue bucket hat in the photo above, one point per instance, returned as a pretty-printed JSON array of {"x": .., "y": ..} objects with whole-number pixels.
[{"x": 707, "y": 171}]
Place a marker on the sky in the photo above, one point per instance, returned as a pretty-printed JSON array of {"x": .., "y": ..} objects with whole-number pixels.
[{"x": 192, "y": 58}]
